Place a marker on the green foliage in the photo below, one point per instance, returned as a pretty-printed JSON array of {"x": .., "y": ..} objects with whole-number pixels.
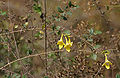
[
  {"x": 39, "y": 35},
  {"x": 36, "y": 0},
  {"x": 69, "y": 13},
  {"x": 37, "y": 8},
  {"x": 53, "y": 27},
  {"x": 117, "y": 75},
  {"x": 29, "y": 51},
  {"x": 93, "y": 56},
  {"x": 64, "y": 18},
  {"x": 58, "y": 28},
  {"x": 94, "y": 32},
  {"x": 97, "y": 46},
  {"x": 53, "y": 56},
  {"x": 16, "y": 76},
  {"x": 97, "y": 32},
  {"x": 46, "y": 77},
  {"x": 2, "y": 13},
  {"x": 24, "y": 76},
  {"x": 70, "y": 4},
  {"x": 107, "y": 7},
  {"x": 60, "y": 10},
  {"x": 90, "y": 39},
  {"x": 67, "y": 32},
  {"x": 91, "y": 31}
]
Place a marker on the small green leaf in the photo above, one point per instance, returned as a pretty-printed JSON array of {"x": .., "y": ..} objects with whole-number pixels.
[
  {"x": 77, "y": 6},
  {"x": 37, "y": 8},
  {"x": 67, "y": 32},
  {"x": 69, "y": 13},
  {"x": 64, "y": 18},
  {"x": 53, "y": 27},
  {"x": 85, "y": 36},
  {"x": 57, "y": 19},
  {"x": 97, "y": 32},
  {"x": 90, "y": 40},
  {"x": 117, "y": 75},
  {"x": 107, "y": 7},
  {"x": 62, "y": 14},
  {"x": 46, "y": 77},
  {"x": 58, "y": 33},
  {"x": 70, "y": 4},
  {"x": 36, "y": 0},
  {"x": 60, "y": 10},
  {"x": 16, "y": 76},
  {"x": 58, "y": 28},
  {"x": 97, "y": 46},
  {"x": 37, "y": 34},
  {"x": 66, "y": 7},
  {"x": 24, "y": 76},
  {"x": 93, "y": 56},
  {"x": 91, "y": 31},
  {"x": 3, "y": 13},
  {"x": 29, "y": 51}
]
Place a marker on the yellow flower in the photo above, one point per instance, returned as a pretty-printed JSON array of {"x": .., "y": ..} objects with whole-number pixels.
[
  {"x": 60, "y": 42},
  {"x": 107, "y": 63},
  {"x": 106, "y": 52},
  {"x": 68, "y": 44}
]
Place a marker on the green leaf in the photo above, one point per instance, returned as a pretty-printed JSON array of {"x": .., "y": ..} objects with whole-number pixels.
[
  {"x": 64, "y": 18},
  {"x": 91, "y": 31},
  {"x": 37, "y": 34},
  {"x": 53, "y": 27},
  {"x": 107, "y": 7},
  {"x": 29, "y": 51},
  {"x": 60, "y": 10},
  {"x": 24, "y": 76},
  {"x": 37, "y": 8},
  {"x": 3, "y": 13},
  {"x": 16, "y": 76},
  {"x": 62, "y": 14},
  {"x": 69, "y": 13},
  {"x": 46, "y": 77},
  {"x": 36, "y": 0},
  {"x": 65, "y": 7},
  {"x": 85, "y": 36},
  {"x": 70, "y": 4},
  {"x": 57, "y": 19},
  {"x": 97, "y": 46},
  {"x": 90, "y": 40},
  {"x": 58, "y": 28},
  {"x": 97, "y": 32},
  {"x": 117, "y": 75},
  {"x": 93, "y": 56},
  {"x": 77, "y": 6},
  {"x": 67, "y": 32},
  {"x": 58, "y": 33}
]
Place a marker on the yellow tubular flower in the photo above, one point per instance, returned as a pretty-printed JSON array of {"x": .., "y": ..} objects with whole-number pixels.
[
  {"x": 68, "y": 44},
  {"x": 60, "y": 42},
  {"x": 107, "y": 63}
]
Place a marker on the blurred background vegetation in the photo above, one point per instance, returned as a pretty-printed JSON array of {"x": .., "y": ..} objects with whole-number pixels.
[{"x": 93, "y": 26}]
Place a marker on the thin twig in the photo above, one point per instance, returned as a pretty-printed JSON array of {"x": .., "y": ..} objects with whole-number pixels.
[
  {"x": 20, "y": 30},
  {"x": 28, "y": 57},
  {"x": 45, "y": 34}
]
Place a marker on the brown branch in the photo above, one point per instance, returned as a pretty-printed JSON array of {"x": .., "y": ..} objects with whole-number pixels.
[
  {"x": 21, "y": 30},
  {"x": 28, "y": 57}
]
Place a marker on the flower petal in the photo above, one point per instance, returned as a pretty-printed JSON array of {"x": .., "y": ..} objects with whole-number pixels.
[
  {"x": 68, "y": 49},
  {"x": 60, "y": 46},
  {"x": 107, "y": 66}
]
